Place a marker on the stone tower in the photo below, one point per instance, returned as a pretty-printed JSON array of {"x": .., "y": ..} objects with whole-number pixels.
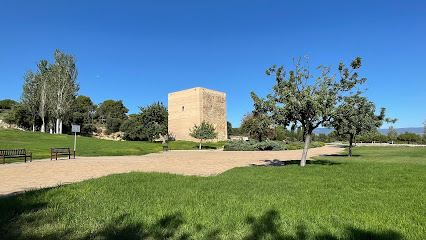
[{"x": 193, "y": 106}]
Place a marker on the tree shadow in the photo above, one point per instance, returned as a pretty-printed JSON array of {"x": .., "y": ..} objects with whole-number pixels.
[
  {"x": 119, "y": 228},
  {"x": 279, "y": 163},
  {"x": 267, "y": 227},
  {"x": 339, "y": 155}
]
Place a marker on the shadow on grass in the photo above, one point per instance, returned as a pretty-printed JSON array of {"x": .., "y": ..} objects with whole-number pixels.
[
  {"x": 279, "y": 163},
  {"x": 20, "y": 217},
  {"x": 123, "y": 228},
  {"x": 267, "y": 227}
]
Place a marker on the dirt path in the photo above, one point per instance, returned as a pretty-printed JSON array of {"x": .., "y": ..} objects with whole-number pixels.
[{"x": 18, "y": 177}]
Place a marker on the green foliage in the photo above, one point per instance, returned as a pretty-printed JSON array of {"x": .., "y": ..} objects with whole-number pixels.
[
  {"x": 203, "y": 132},
  {"x": 149, "y": 124},
  {"x": 252, "y": 145},
  {"x": 298, "y": 97},
  {"x": 83, "y": 114},
  {"x": 410, "y": 138},
  {"x": 229, "y": 128},
  {"x": 7, "y": 103},
  {"x": 111, "y": 109},
  {"x": 113, "y": 125},
  {"x": 392, "y": 134},
  {"x": 257, "y": 126},
  {"x": 377, "y": 195},
  {"x": 282, "y": 134},
  {"x": 20, "y": 116},
  {"x": 424, "y": 133}
]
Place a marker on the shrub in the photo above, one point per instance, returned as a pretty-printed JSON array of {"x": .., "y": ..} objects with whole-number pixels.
[{"x": 269, "y": 145}]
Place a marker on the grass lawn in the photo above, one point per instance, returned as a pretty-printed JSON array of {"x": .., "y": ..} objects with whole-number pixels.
[
  {"x": 378, "y": 194},
  {"x": 40, "y": 143}
]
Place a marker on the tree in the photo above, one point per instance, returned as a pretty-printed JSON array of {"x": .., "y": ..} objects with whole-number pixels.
[
  {"x": 7, "y": 103},
  {"x": 203, "y": 131},
  {"x": 409, "y": 137},
  {"x": 63, "y": 85},
  {"x": 392, "y": 134},
  {"x": 256, "y": 126},
  {"x": 30, "y": 97},
  {"x": 355, "y": 116},
  {"x": 295, "y": 98},
  {"x": 111, "y": 109},
  {"x": 424, "y": 133},
  {"x": 155, "y": 120},
  {"x": 229, "y": 129},
  {"x": 83, "y": 112},
  {"x": 43, "y": 77}
]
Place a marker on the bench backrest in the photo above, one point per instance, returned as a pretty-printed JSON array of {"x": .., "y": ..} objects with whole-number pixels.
[
  {"x": 13, "y": 152},
  {"x": 60, "y": 150}
]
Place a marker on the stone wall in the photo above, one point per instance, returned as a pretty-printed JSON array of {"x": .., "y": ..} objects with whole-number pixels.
[{"x": 192, "y": 106}]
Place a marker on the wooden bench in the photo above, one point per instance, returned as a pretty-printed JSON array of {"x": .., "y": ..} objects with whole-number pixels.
[
  {"x": 60, "y": 151},
  {"x": 166, "y": 148},
  {"x": 15, "y": 153}
]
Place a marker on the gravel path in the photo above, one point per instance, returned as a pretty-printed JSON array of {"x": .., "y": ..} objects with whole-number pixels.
[{"x": 18, "y": 177}]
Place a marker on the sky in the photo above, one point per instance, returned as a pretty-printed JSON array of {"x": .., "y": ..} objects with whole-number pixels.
[{"x": 139, "y": 51}]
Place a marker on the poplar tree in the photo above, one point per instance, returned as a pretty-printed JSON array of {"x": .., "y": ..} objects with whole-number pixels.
[
  {"x": 64, "y": 87},
  {"x": 30, "y": 97},
  {"x": 392, "y": 134}
]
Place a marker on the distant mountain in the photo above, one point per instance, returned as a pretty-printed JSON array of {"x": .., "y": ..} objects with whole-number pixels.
[{"x": 416, "y": 130}]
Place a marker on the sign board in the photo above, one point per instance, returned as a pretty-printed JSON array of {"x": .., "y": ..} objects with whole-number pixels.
[{"x": 75, "y": 128}]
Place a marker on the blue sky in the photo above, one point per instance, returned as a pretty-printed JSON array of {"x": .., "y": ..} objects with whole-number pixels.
[{"x": 139, "y": 51}]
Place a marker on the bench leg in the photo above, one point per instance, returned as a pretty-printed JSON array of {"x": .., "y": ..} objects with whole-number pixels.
[
  {"x": 56, "y": 156},
  {"x": 25, "y": 158},
  {"x": 3, "y": 159}
]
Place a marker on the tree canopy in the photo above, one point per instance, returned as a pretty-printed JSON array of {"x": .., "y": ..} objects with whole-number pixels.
[
  {"x": 355, "y": 116},
  {"x": 203, "y": 132},
  {"x": 298, "y": 97}
]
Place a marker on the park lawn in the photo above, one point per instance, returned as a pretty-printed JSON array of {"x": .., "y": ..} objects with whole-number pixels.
[
  {"x": 334, "y": 197},
  {"x": 40, "y": 143}
]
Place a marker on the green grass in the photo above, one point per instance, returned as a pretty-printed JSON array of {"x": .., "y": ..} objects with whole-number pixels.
[
  {"x": 40, "y": 143},
  {"x": 378, "y": 194}
]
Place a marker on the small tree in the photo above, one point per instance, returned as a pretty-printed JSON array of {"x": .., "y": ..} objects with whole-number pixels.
[
  {"x": 154, "y": 118},
  {"x": 424, "y": 133},
  {"x": 392, "y": 134},
  {"x": 203, "y": 131},
  {"x": 311, "y": 102},
  {"x": 355, "y": 116}
]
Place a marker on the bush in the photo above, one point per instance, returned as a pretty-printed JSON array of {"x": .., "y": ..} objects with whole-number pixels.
[
  {"x": 269, "y": 145},
  {"x": 252, "y": 145}
]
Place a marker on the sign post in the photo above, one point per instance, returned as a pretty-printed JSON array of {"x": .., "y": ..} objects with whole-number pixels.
[{"x": 75, "y": 129}]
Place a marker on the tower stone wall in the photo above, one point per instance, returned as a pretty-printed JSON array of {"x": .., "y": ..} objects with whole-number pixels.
[{"x": 193, "y": 106}]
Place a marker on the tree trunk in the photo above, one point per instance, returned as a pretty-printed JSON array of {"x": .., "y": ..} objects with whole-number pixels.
[
  {"x": 305, "y": 150},
  {"x": 350, "y": 145},
  {"x": 200, "y": 143},
  {"x": 57, "y": 126},
  {"x": 43, "y": 126},
  {"x": 60, "y": 126},
  {"x": 164, "y": 139},
  {"x": 33, "y": 127}
]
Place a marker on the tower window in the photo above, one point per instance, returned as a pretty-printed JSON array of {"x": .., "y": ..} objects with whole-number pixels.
[{"x": 183, "y": 108}]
